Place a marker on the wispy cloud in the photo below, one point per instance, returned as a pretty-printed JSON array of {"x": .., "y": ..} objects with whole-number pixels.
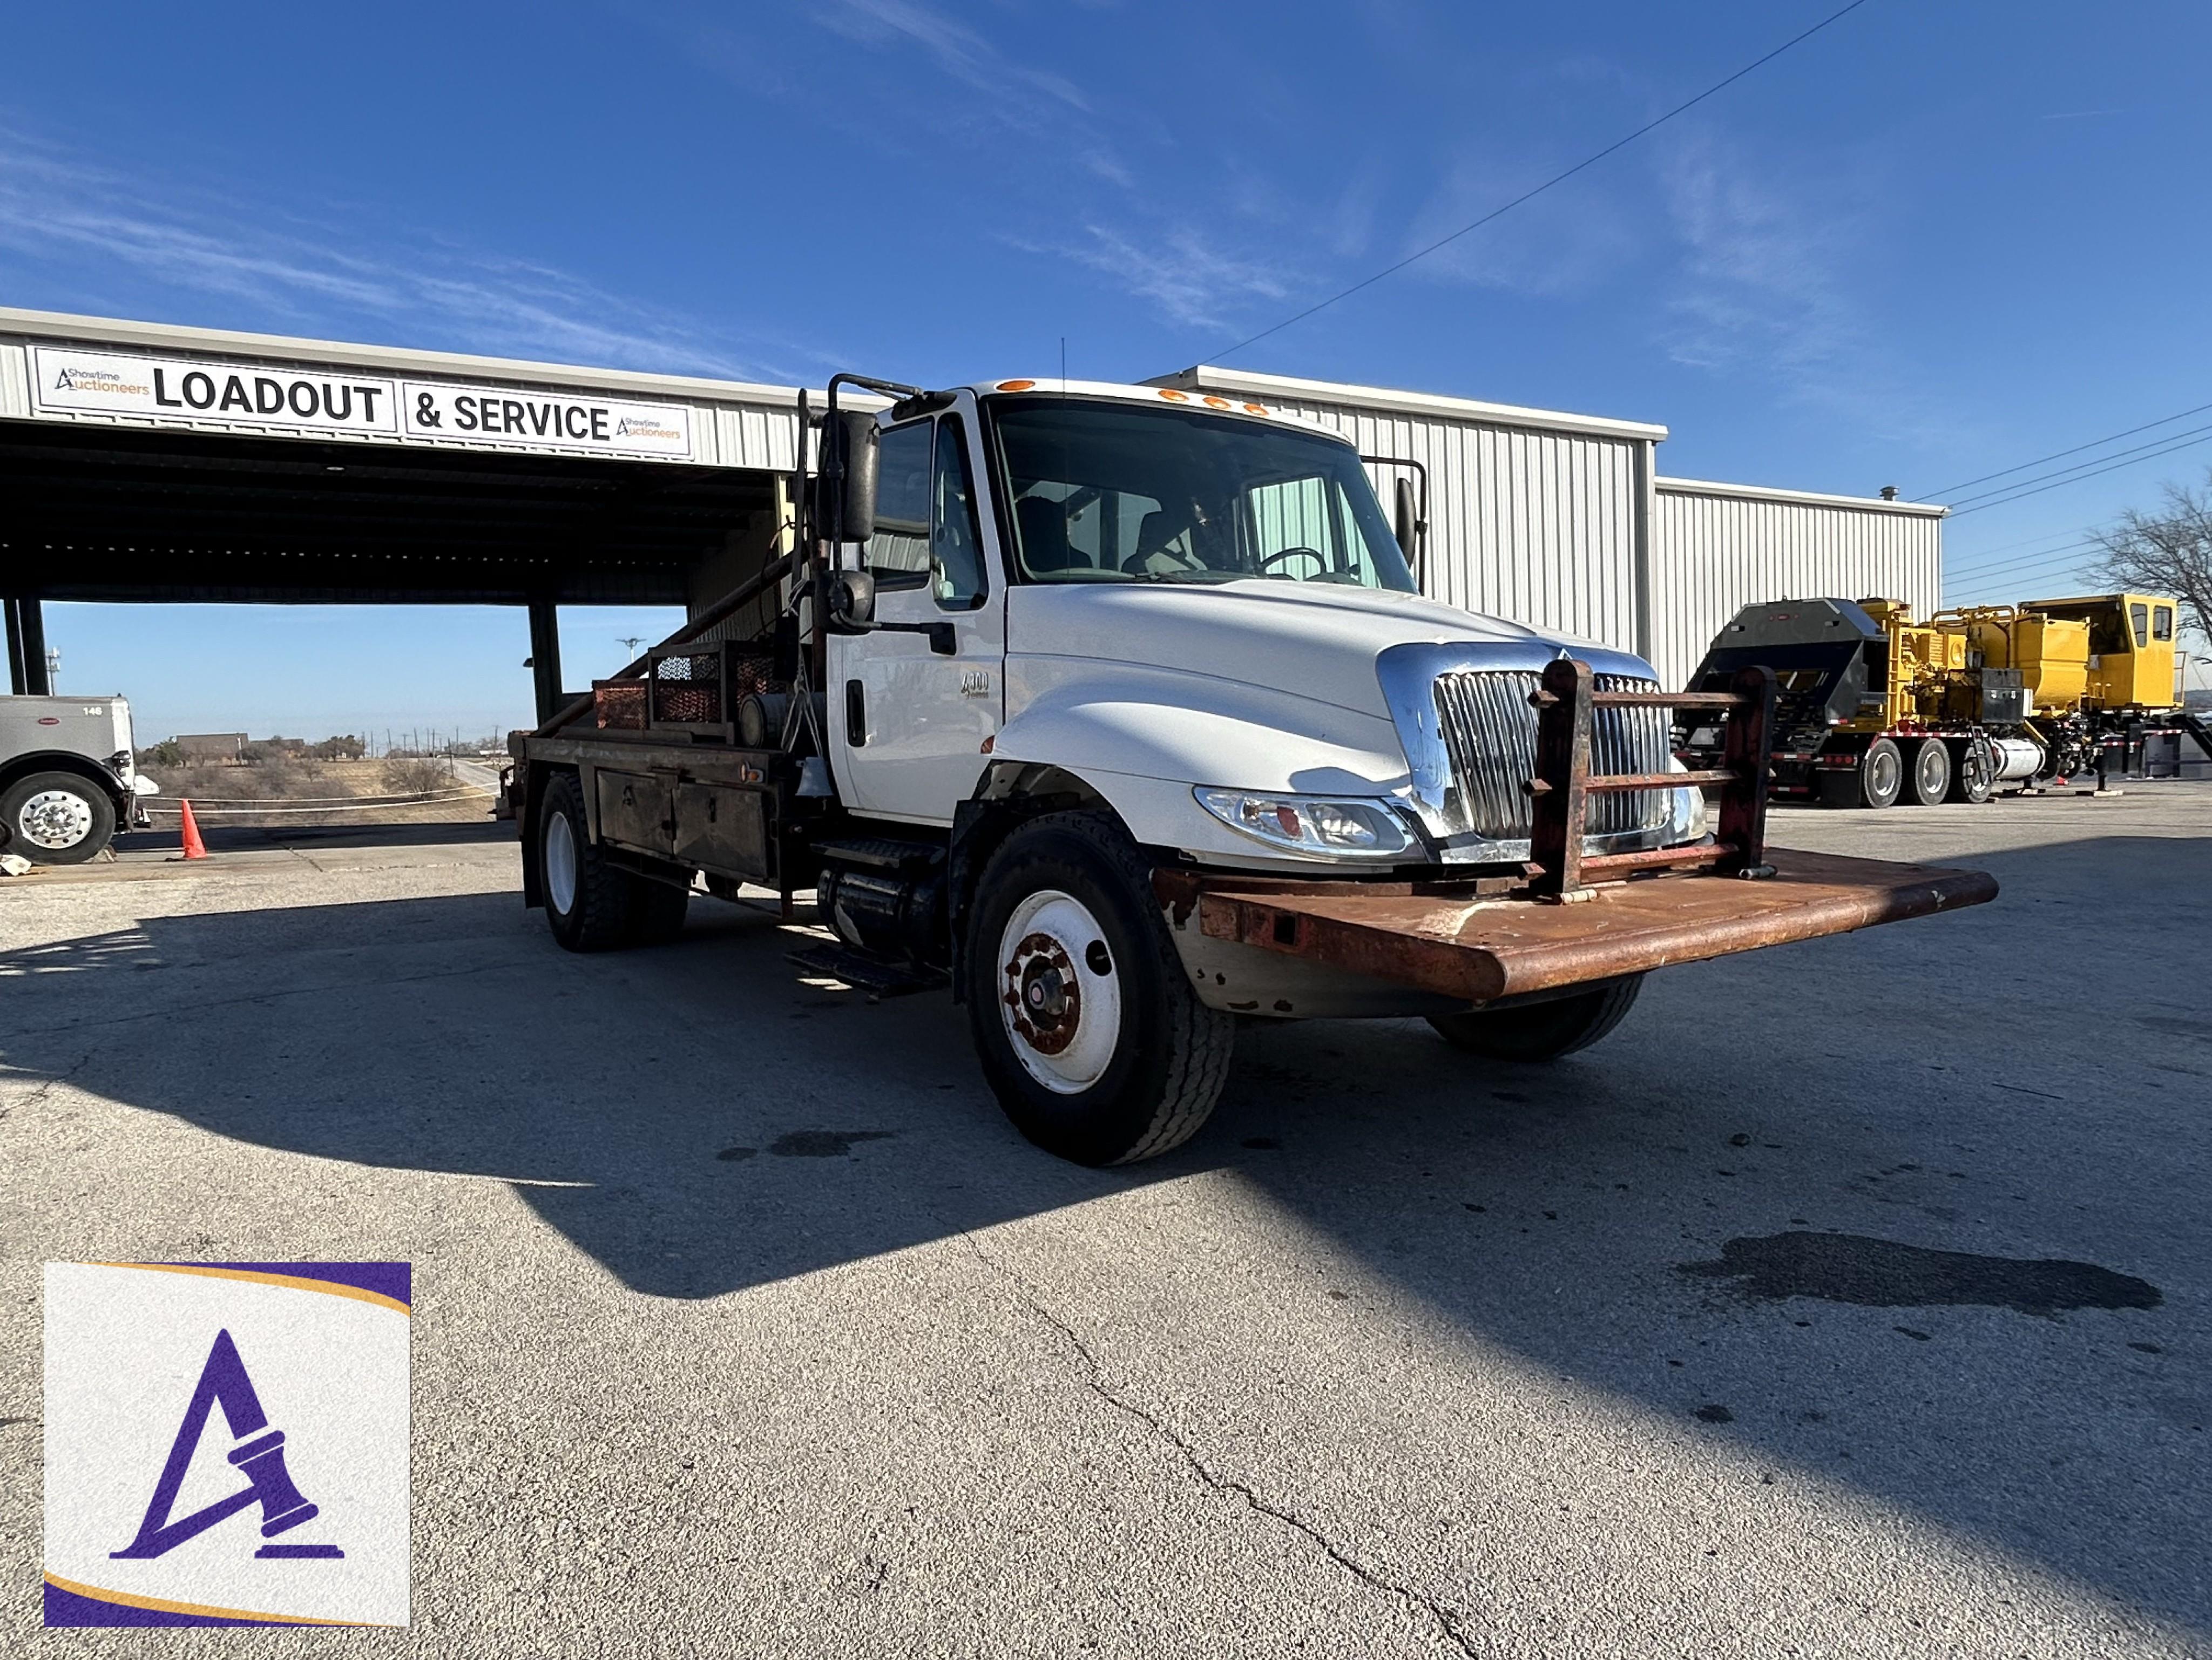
[
  {"x": 959, "y": 50},
  {"x": 1175, "y": 271},
  {"x": 1765, "y": 282},
  {"x": 115, "y": 235}
]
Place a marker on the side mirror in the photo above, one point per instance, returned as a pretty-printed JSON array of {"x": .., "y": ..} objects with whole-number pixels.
[
  {"x": 852, "y": 601},
  {"x": 1409, "y": 527},
  {"x": 845, "y": 493}
]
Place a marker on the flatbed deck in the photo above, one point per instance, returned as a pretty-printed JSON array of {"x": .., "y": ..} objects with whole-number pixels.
[{"x": 1479, "y": 946}]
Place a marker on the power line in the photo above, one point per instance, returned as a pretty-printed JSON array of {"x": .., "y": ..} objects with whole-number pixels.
[
  {"x": 2172, "y": 441},
  {"x": 2201, "y": 437},
  {"x": 2074, "y": 554},
  {"x": 2040, "y": 570},
  {"x": 2093, "y": 443},
  {"x": 1556, "y": 179}
]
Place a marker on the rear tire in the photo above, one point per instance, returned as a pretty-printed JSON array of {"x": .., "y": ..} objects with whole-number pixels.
[
  {"x": 1541, "y": 1031},
  {"x": 56, "y": 818},
  {"x": 1881, "y": 774},
  {"x": 1931, "y": 772},
  {"x": 589, "y": 900},
  {"x": 1083, "y": 1016},
  {"x": 1973, "y": 775}
]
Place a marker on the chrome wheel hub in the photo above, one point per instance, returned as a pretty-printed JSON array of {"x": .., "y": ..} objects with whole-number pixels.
[{"x": 56, "y": 820}]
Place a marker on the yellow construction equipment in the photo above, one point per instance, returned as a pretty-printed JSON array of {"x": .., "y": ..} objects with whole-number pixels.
[{"x": 1876, "y": 705}]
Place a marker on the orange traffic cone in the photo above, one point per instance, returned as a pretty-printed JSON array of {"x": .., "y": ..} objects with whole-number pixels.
[{"x": 194, "y": 847}]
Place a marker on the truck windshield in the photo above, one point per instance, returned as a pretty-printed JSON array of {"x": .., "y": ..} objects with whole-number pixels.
[{"x": 1110, "y": 492}]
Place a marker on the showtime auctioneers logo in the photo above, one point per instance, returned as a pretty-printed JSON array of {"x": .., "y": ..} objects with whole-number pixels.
[{"x": 226, "y": 1443}]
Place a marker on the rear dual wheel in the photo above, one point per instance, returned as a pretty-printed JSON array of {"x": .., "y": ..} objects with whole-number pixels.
[
  {"x": 1931, "y": 772},
  {"x": 592, "y": 902}
]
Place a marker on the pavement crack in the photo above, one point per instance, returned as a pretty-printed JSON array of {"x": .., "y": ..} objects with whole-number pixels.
[
  {"x": 1446, "y": 1622},
  {"x": 49, "y": 1084}
]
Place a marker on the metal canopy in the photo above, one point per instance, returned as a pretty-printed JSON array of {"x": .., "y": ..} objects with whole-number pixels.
[{"x": 96, "y": 512}]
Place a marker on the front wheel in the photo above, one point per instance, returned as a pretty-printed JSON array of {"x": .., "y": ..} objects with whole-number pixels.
[
  {"x": 56, "y": 818},
  {"x": 1541, "y": 1031},
  {"x": 1085, "y": 1023}
]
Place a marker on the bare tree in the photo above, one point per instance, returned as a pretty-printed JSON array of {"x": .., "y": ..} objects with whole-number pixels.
[{"x": 2166, "y": 552}]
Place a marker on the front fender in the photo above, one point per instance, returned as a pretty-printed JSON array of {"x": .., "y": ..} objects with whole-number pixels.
[{"x": 1143, "y": 737}]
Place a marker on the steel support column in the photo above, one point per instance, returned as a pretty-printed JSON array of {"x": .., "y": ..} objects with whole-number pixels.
[
  {"x": 15, "y": 680},
  {"x": 28, "y": 633},
  {"x": 545, "y": 655}
]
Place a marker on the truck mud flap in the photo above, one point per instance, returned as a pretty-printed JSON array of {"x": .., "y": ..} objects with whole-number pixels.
[{"x": 1477, "y": 947}]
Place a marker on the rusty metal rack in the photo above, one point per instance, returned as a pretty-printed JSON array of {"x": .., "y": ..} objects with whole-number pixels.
[{"x": 1565, "y": 705}]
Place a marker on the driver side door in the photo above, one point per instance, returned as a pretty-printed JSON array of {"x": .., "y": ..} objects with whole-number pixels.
[{"x": 908, "y": 719}]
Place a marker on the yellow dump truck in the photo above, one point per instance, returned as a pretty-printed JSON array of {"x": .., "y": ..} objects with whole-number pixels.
[{"x": 1877, "y": 707}]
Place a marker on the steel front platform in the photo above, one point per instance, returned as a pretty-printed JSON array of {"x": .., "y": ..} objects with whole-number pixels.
[{"x": 1448, "y": 938}]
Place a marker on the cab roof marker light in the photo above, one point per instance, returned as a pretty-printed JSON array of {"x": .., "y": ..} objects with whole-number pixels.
[
  {"x": 1014, "y": 385},
  {"x": 1173, "y": 396}
]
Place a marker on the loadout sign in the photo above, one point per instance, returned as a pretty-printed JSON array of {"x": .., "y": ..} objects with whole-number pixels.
[
  {"x": 66, "y": 381},
  {"x": 267, "y": 397}
]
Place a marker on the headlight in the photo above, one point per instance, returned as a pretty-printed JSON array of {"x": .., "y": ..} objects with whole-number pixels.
[
  {"x": 1327, "y": 827},
  {"x": 1686, "y": 812}
]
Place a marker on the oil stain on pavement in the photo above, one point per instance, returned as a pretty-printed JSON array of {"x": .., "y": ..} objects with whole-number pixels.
[
  {"x": 1851, "y": 1267},
  {"x": 824, "y": 1144}
]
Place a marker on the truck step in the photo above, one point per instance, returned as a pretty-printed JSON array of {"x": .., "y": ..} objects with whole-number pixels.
[
  {"x": 873, "y": 974},
  {"x": 882, "y": 853}
]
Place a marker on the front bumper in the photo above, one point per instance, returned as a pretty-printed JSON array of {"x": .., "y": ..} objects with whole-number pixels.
[{"x": 1455, "y": 940}]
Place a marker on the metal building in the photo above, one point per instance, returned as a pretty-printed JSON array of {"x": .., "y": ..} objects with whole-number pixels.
[
  {"x": 1718, "y": 548},
  {"x": 1562, "y": 522},
  {"x": 150, "y": 462}
]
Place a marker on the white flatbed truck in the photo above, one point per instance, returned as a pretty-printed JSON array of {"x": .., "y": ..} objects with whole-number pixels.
[{"x": 1118, "y": 709}]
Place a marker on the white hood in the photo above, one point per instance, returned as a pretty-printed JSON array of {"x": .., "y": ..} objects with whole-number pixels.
[{"x": 1311, "y": 640}]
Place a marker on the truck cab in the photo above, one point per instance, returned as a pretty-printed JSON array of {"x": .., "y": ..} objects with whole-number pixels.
[{"x": 68, "y": 777}]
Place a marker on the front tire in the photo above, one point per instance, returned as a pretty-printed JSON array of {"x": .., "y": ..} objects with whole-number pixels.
[
  {"x": 1086, "y": 1025},
  {"x": 56, "y": 818},
  {"x": 1541, "y": 1031},
  {"x": 589, "y": 903}
]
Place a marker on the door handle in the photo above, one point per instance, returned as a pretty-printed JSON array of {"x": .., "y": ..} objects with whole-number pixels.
[{"x": 943, "y": 638}]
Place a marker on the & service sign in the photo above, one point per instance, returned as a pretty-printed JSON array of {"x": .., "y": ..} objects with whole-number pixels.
[
  {"x": 68, "y": 381},
  {"x": 226, "y": 1443}
]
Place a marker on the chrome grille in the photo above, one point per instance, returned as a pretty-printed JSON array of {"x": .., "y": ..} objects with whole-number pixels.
[{"x": 1489, "y": 729}]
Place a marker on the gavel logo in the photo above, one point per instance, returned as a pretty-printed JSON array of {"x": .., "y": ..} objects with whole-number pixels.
[{"x": 260, "y": 1456}]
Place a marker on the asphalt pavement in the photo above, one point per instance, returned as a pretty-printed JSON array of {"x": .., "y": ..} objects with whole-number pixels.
[{"x": 1851, "y": 1299}]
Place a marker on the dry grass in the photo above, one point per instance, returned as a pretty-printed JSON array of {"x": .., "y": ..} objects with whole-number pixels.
[{"x": 307, "y": 793}]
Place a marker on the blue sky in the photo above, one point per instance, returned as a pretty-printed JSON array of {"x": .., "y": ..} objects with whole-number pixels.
[{"x": 1931, "y": 242}]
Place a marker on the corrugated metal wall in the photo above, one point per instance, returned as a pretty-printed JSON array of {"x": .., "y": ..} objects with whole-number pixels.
[
  {"x": 1537, "y": 526},
  {"x": 1716, "y": 550}
]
